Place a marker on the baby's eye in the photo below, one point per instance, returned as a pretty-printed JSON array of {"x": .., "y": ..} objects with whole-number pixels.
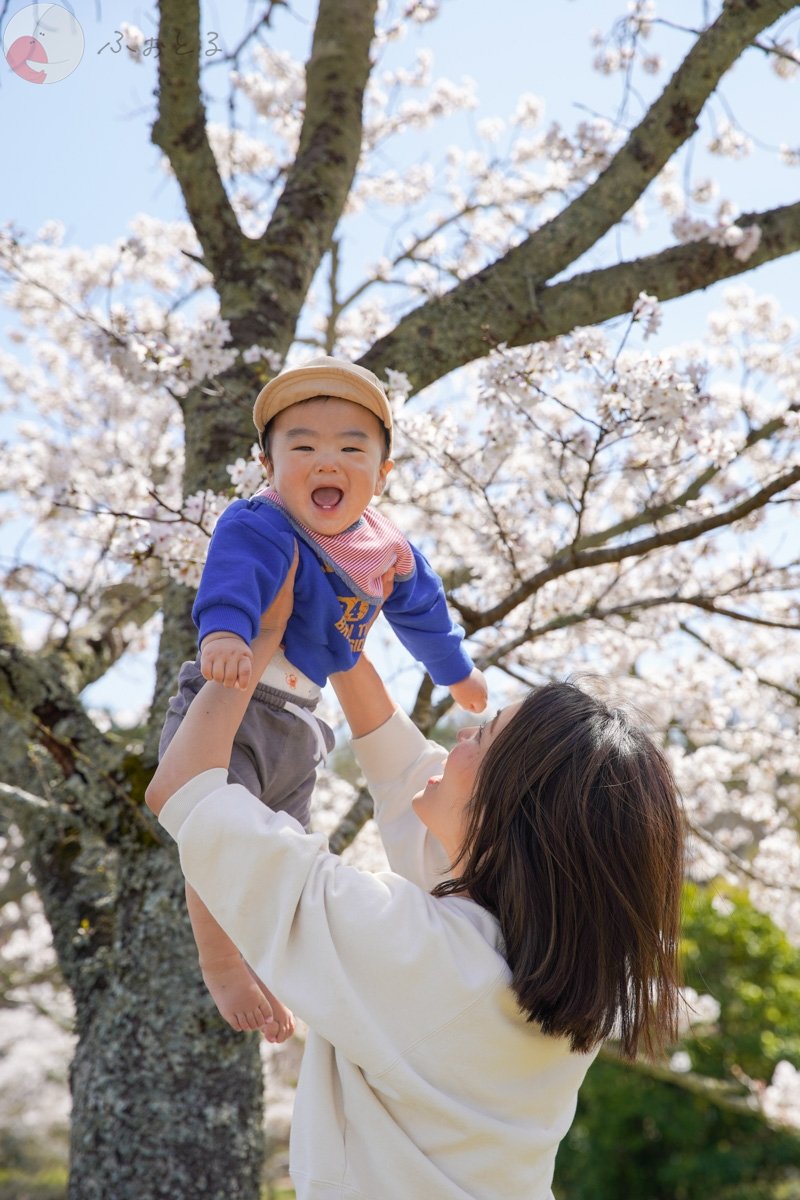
[
  {"x": 307, "y": 448},
  {"x": 353, "y": 449}
]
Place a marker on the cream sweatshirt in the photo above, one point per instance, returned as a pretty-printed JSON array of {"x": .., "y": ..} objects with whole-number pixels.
[{"x": 421, "y": 1080}]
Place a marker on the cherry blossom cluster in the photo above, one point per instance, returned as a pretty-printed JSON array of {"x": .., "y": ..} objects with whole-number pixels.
[
  {"x": 580, "y": 445},
  {"x": 621, "y": 49},
  {"x": 624, "y": 50}
]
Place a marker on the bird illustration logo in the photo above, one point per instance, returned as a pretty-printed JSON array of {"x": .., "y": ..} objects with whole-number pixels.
[{"x": 43, "y": 43}]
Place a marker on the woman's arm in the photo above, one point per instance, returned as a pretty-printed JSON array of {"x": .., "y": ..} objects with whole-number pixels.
[
  {"x": 362, "y": 694},
  {"x": 205, "y": 736},
  {"x": 360, "y": 691}
]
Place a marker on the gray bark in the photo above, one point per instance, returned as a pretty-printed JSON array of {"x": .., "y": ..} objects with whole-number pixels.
[
  {"x": 505, "y": 301},
  {"x": 167, "y": 1100},
  {"x": 157, "y": 1079}
]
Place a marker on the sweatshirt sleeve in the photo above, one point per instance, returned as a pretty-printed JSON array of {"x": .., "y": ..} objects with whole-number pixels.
[
  {"x": 417, "y": 612},
  {"x": 397, "y": 762},
  {"x": 248, "y": 559},
  {"x": 338, "y": 945}
]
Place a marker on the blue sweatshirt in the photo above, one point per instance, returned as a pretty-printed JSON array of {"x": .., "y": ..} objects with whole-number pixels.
[{"x": 249, "y": 557}]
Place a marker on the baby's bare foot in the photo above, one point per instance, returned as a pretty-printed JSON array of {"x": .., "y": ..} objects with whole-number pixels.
[
  {"x": 241, "y": 1002},
  {"x": 282, "y": 1017}
]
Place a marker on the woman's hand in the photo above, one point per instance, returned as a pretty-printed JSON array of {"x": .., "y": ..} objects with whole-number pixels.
[{"x": 275, "y": 619}]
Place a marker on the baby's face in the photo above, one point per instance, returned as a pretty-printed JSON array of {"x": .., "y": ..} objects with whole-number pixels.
[{"x": 325, "y": 458}]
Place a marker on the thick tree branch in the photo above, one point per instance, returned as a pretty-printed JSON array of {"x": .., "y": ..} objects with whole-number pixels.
[
  {"x": 22, "y": 804},
  {"x": 263, "y": 284},
  {"x": 597, "y": 296},
  {"x": 34, "y": 692},
  {"x": 432, "y": 713},
  {"x": 718, "y": 1092},
  {"x": 494, "y": 305},
  {"x": 629, "y": 609},
  {"x": 91, "y": 649},
  {"x": 352, "y": 822},
  {"x": 669, "y": 122},
  {"x": 319, "y": 181},
  {"x": 585, "y": 299},
  {"x": 180, "y": 131}
]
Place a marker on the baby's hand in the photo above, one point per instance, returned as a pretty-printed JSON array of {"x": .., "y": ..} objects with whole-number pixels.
[
  {"x": 471, "y": 693},
  {"x": 227, "y": 659}
]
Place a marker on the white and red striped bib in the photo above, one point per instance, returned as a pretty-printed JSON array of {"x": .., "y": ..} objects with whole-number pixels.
[{"x": 360, "y": 555}]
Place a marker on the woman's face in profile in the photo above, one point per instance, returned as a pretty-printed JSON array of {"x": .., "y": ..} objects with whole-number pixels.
[{"x": 443, "y": 802}]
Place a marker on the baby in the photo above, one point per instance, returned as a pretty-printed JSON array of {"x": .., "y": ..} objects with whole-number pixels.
[{"x": 325, "y": 431}]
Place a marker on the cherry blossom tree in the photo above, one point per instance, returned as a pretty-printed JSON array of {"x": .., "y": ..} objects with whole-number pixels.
[{"x": 595, "y": 500}]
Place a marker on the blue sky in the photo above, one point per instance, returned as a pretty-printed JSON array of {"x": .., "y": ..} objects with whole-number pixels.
[{"x": 80, "y": 151}]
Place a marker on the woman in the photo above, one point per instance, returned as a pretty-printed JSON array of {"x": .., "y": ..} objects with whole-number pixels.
[{"x": 455, "y": 1004}]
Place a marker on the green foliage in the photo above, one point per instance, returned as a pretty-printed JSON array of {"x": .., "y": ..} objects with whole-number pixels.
[
  {"x": 637, "y": 1137},
  {"x": 740, "y": 957},
  {"x": 33, "y": 1163},
  {"x": 49, "y": 1184}
]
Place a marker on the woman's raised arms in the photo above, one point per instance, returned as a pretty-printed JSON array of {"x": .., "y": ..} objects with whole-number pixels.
[{"x": 206, "y": 734}]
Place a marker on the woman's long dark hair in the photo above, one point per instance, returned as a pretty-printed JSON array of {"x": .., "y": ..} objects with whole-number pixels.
[{"x": 575, "y": 843}]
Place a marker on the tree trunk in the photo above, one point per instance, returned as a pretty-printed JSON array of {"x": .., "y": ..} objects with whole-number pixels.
[{"x": 167, "y": 1101}]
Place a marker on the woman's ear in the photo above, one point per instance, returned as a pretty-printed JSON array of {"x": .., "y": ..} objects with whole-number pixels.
[{"x": 380, "y": 482}]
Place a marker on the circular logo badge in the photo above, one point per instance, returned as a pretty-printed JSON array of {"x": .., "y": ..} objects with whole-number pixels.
[{"x": 43, "y": 43}]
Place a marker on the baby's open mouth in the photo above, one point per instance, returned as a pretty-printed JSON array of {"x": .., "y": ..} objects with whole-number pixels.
[{"x": 326, "y": 497}]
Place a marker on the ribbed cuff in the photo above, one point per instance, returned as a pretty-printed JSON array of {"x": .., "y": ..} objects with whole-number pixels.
[
  {"x": 453, "y": 669},
  {"x": 226, "y": 618}
]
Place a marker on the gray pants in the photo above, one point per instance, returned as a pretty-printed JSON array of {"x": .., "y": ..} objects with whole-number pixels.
[{"x": 274, "y": 753}]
